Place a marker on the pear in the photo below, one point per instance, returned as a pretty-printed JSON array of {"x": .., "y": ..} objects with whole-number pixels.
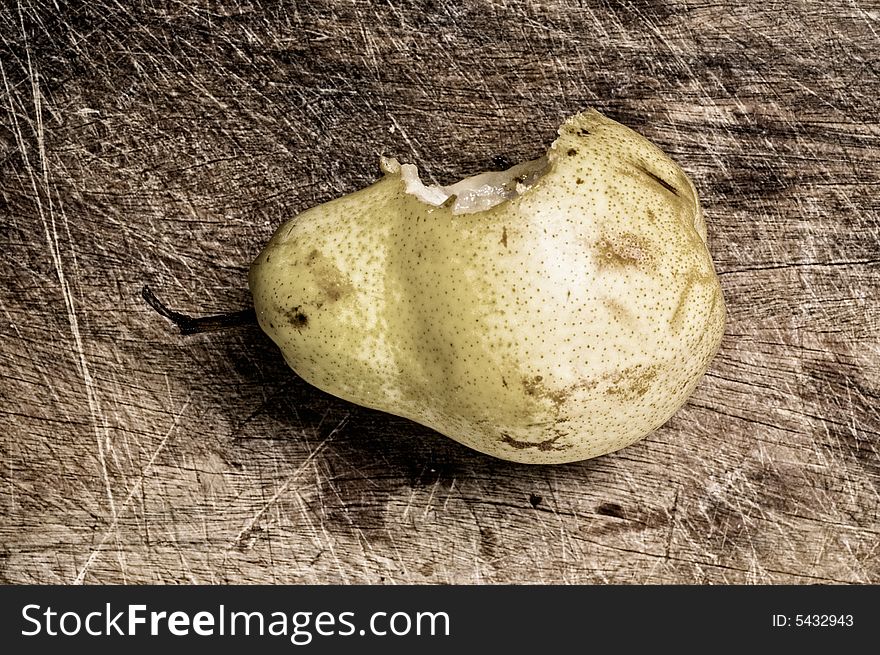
[{"x": 553, "y": 312}]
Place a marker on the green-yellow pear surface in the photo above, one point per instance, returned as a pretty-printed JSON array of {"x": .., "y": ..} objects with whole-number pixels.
[{"x": 553, "y": 312}]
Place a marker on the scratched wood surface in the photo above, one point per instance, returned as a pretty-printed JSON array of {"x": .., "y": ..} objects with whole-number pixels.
[{"x": 161, "y": 143}]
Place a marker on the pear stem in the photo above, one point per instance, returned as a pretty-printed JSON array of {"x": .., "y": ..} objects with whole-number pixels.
[{"x": 191, "y": 325}]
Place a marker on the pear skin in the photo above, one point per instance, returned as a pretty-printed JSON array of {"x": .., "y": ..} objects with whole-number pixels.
[{"x": 550, "y": 313}]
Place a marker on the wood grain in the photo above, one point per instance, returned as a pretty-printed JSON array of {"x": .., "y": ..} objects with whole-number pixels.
[{"x": 161, "y": 143}]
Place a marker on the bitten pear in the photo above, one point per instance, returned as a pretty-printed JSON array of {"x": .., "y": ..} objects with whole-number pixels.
[{"x": 553, "y": 312}]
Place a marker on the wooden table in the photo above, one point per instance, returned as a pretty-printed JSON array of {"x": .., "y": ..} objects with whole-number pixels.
[{"x": 162, "y": 144}]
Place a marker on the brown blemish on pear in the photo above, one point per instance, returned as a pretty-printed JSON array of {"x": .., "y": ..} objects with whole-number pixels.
[
  {"x": 329, "y": 280},
  {"x": 632, "y": 382},
  {"x": 619, "y": 311},
  {"x": 544, "y": 445},
  {"x": 624, "y": 250},
  {"x": 534, "y": 387},
  {"x": 296, "y": 317}
]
